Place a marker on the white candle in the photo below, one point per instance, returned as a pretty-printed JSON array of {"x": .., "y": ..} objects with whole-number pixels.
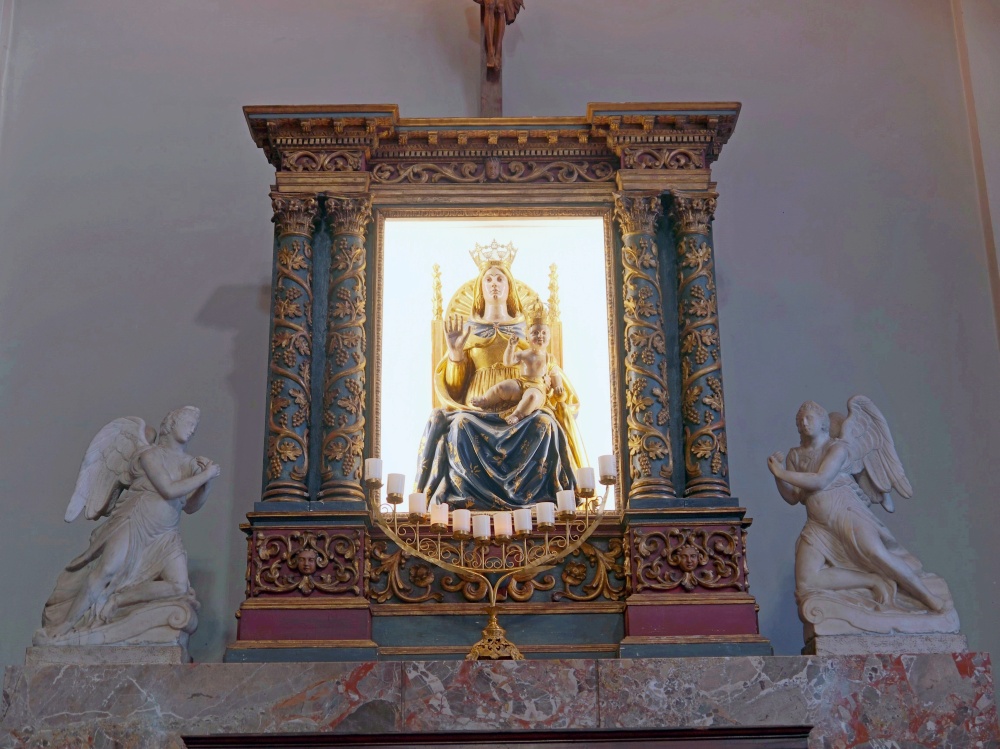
[
  {"x": 461, "y": 521},
  {"x": 502, "y": 524},
  {"x": 439, "y": 514},
  {"x": 566, "y": 499},
  {"x": 396, "y": 483},
  {"x": 373, "y": 469},
  {"x": 606, "y": 466},
  {"x": 585, "y": 479},
  {"x": 418, "y": 503},
  {"x": 481, "y": 526},
  {"x": 545, "y": 512},
  {"x": 522, "y": 520}
]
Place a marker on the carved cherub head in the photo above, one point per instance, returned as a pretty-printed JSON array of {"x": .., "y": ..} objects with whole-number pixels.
[
  {"x": 305, "y": 561},
  {"x": 688, "y": 557}
]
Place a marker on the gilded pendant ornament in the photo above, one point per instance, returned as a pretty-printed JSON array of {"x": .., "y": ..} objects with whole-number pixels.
[
  {"x": 706, "y": 465},
  {"x": 647, "y": 399},
  {"x": 305, "y": 561},
  {"x": 346, "y": 341},
  {"x": 689, "y": 558},
  {"x": 288, "y": 406}
]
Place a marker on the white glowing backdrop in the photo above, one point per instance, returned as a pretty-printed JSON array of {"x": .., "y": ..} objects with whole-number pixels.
[{"x": 412, "y": 247}]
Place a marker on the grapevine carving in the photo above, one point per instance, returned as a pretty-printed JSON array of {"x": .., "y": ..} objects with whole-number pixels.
[
  {"x": 647, "y": 399},
  {"x": 288, "y": 408},
  {"x": 344, "y": 383}
]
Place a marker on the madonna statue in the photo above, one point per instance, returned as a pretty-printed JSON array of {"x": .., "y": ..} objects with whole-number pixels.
[{"x": 471, "y": 457}]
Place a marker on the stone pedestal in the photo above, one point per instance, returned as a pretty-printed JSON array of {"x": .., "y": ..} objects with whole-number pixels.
[
  {"x": 848, "y": 701},
  {"x": 106, "y": 655},
  {"x": 889, "y": 644}
]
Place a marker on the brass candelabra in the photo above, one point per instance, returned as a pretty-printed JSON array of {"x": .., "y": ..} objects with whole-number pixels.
[{"x": 490, "y": 546}]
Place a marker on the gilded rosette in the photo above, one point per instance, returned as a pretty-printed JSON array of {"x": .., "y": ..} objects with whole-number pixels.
[
  {"x": 647, "y": 399},
  {"x": 288, "y": 401},
  {"x": 706, "y": 463},
  {"x": 346, "y": 341}
]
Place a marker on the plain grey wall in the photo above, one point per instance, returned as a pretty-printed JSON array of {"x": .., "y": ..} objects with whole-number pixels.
[{"x": 136, "y": 239}]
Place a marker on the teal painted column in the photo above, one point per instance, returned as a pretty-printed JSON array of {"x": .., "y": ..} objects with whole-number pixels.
[
  {"x": 706, "y": 460},
  {"x": 647, "y": 395},
  {"x": 346, "y": 342},
  {"x": 286, "y": 452}
]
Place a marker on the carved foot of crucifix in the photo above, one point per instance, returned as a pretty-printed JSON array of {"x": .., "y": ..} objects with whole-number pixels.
[{"x": 494, "y": 17}]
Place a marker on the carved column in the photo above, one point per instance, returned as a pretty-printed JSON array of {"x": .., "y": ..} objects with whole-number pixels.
[
  {"x": 647, "y": 400},
  {"x": 346, "y": 343},
  {"x": 706, "y": 463},
  {"x": 286, "y": 454}
]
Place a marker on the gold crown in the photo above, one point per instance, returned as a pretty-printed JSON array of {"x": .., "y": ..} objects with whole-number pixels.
[
  {"x": 539, "y": 315},
  {"x": 493, "y": 253}
]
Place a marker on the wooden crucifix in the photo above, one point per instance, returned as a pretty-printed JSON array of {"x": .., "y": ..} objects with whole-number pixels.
[{"x": 494, "y": 17}]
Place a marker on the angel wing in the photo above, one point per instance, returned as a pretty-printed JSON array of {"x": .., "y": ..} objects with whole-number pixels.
[
  {"x": 874, "y": 462},
  {"x": 105, "y": 469}
]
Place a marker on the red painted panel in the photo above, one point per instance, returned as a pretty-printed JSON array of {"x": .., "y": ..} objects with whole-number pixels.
[
  {"x": 305, "y": 624},
  {"x": 696, "y": 619}
]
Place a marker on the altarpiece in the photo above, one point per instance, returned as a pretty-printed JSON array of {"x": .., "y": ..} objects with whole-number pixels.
[{"x": 666, "y": 573}]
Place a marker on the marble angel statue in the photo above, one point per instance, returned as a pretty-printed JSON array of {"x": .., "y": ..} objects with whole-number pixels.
[
  {"x": 131, "y": 584},
  {"x": 851, "y": 575}
]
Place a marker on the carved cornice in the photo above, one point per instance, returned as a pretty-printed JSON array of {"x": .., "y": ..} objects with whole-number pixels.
[
  {"x": 294, "y": 214},
  {"x": 637, "y": 213},
  {"x": 692, "y": 213},
  {"x": 629, "y": 136},
  {"x": 349, "y": 215}
]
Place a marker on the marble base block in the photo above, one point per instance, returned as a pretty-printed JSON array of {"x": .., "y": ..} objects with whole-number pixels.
[
  {"x": 885, "y": 644},
  {"x": 106, "y": 655},
  {"x": 943, "y": 700}
]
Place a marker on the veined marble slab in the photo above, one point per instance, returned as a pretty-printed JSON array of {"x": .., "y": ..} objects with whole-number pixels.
[{"x": 885, "y": 701}]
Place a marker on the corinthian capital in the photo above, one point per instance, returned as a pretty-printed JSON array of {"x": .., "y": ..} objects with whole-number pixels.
[
  {"x": 692, "y": 213},
  {"x": 293, "y": 214},
  {"x": 637, "y": 213},
  {"x": 349, "y": 215}
]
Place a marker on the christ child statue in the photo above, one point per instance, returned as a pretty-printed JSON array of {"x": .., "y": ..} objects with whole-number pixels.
[{"x": 534, "y": 378}]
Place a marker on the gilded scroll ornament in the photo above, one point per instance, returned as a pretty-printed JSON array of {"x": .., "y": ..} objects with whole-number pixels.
[
  {"x": 386, "y": 579},
  {"x": 288, "y": 407},
  {"x": 344, "y": 379},
  {"x": 647, "y": 400},
  {"x": 306, "y": 561},
  {"x": 606, "y": 563},
  {"x": 688, "y": 558},
  {"x": 493, "y": 170},
  {"x": 650, "y": 157},
  {"x": 598, "y": 570},
  {"x": 321, "y": 161}
]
